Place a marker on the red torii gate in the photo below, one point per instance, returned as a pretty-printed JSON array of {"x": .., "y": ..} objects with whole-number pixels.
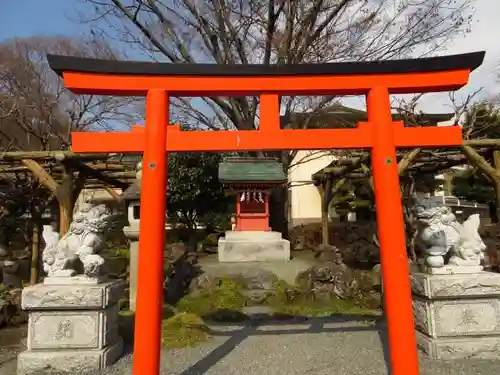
[{"x": 376, "y": 79}]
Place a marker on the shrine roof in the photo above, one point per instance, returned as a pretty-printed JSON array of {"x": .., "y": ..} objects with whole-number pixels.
[
  {"x": 251, "y": 170},
  {"x": 337, "y": 115},
  {"x": 469, "y": 61}
]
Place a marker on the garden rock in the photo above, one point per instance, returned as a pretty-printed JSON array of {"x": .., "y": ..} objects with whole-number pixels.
[
  {"x": 356, "y": 241},
  {"x": 335, "y": 280},
  {"x": 328, "y": 253},
  {"x": 10, "y": 307},
  {"x": 253, "y": 279},
  {"x": 181, "y": 270},
  {"x": 10, "y": 277},
  {"x": 3, "y": 312},
  {"x": 256, "y": 296},
  {"x": 257, "y": 285}
]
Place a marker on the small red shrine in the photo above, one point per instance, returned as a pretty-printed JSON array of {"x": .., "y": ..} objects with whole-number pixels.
[{"x": 251, "y": 181}]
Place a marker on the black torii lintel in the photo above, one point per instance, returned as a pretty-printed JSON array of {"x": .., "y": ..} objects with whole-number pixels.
[{"x": 61, "y": 64}]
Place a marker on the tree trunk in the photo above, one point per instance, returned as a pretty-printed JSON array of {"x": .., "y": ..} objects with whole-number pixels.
[
  {"x": 63, "y": 191},
  {"x": 35, "y": 252},
  {"x": 496, "y": 162},
  {"x": 493, "y": 210},
  {"x": 65, "y": 198},
  {"x": 325, "y": 203},
  {"x": 325, "y": 235},
  {"x": 65, "y": 215},
  {"x": 192, "y": 238},
  {"x": 278, "y": 199},
  {"x": 408, "y": 188},
  {"x": 278, "y": 220},
  {"x": 495, "y": 215}
]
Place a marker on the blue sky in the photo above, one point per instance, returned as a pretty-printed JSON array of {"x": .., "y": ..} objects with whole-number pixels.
[{"x": 25, "y": 18}]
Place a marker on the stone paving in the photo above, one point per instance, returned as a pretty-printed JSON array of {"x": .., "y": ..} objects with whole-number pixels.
[{"x": 314, "y": 347}]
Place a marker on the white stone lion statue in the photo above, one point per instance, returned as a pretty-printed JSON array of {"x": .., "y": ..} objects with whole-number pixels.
[
  {"x": 77, "y": 251},
  {"x": 445, "y": 238}
]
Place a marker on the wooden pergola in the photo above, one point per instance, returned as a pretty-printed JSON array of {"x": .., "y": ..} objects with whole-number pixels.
[
  {"x": 65, "y": 174},
  {"x": 355, "y": 166}
]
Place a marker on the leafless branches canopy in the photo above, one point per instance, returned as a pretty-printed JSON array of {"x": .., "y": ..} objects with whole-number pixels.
[
  {"x": 37, "y": 115},
  {"x": 36, "y": 111},
  {"x": 275, "y": 32}
]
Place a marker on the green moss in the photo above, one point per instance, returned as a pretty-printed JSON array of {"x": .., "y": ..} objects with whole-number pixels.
[
  {"x": 184, "y": 330},
  {"x": 123, "y": 304},
  {"x": 211, "y": 240},
  {"x": 126, "y": 320},
  {"x": 126, "y": 313},
  {"x": 222, "y": 302},
  {"x": 180, "y": 330},
  {"x": 296, "y": 301},
  {"x": 123, "y": 253}
]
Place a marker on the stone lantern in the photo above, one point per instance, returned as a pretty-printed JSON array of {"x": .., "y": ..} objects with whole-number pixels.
[{"x": 132, "y": 197}]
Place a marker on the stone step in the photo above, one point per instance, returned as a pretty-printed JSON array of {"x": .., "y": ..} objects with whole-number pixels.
[
  {"x": 258, "y": 312},
  {"x": 258, "y": 236},
  {"x": 256, "y": 296}
]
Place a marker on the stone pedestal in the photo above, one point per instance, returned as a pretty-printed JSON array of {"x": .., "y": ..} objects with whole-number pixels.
[
  {"x": 457, "y": 315},
  {"x": 253, "y": 246},
  {"x": 72, "y": 327},
  {"x": 132, "y": 233}
]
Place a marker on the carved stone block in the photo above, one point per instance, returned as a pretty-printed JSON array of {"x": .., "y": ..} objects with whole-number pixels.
[
  {"x": 70, "y": 362},
  {"x": 449, "y": 348},
  {"x": 480, "y": 284},
  {"x": 72, "y": 327},
  {"x": 72, "y": 296},
  {"x": 457, "y": 315},
  {"x": 70, "y": 330}
]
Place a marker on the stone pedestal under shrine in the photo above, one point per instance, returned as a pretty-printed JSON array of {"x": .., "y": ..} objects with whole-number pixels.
[
  {"x": 251, "y": 180},
  {"x": 457, "y": 315},
  {"x": 253, "y": 246}
]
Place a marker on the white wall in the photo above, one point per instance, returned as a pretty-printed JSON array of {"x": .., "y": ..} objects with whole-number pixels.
[{"x": 305, "y": 200}]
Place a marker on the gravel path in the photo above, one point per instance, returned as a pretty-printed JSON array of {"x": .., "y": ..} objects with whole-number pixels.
[
  {"x": 315, "y": 347},
  {"x": 318, "y": 347}
]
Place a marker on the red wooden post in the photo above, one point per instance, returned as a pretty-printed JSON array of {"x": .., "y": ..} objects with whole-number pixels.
[
  {"x": 149, "y": 305},
  {"x": 394, "y": 260}
]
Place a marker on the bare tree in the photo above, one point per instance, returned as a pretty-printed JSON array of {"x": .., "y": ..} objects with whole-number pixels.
[
  {"x": 36, "y": 111},
  {"x": 276, "y": 32}
]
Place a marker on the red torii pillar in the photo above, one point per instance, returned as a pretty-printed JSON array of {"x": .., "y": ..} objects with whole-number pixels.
[{"x": 376, "y": 80}]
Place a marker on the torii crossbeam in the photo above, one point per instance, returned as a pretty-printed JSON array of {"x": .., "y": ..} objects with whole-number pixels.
[{"x": 377, "y": 80}]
